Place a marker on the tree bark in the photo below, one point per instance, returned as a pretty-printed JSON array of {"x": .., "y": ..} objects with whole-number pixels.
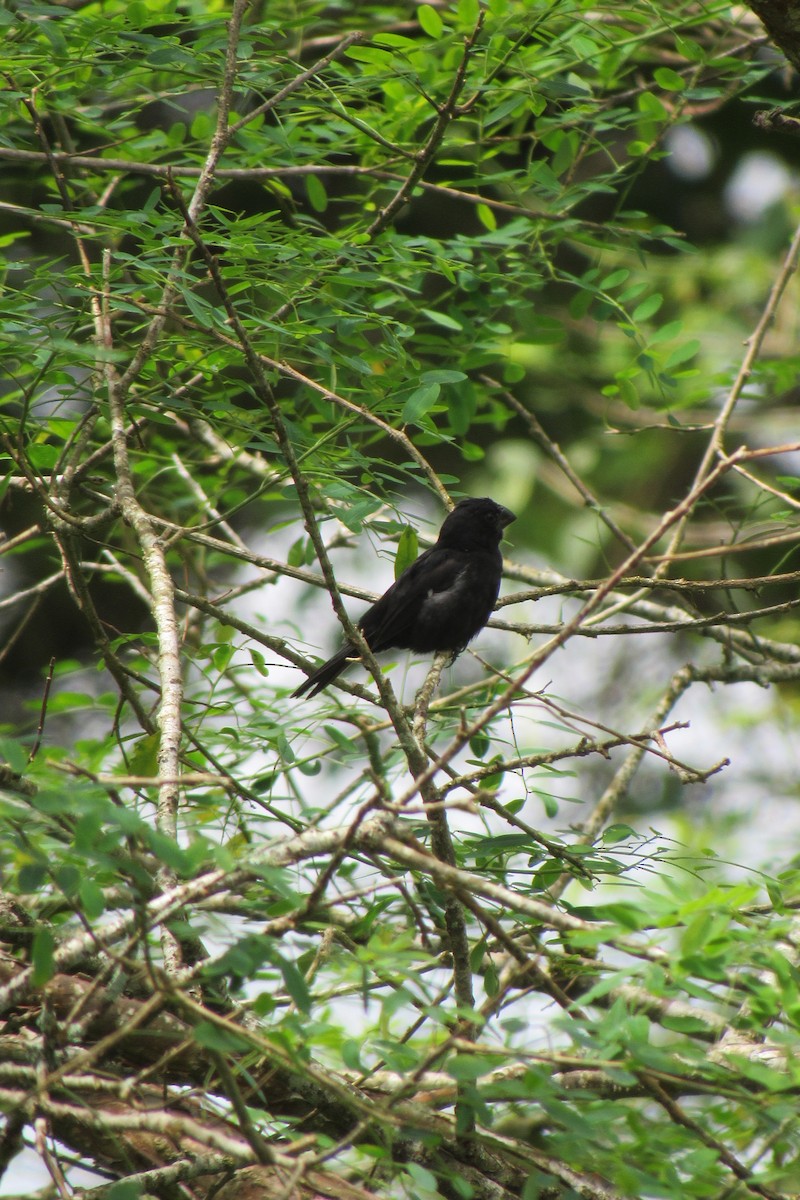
[{"x": 781, "y": 19}]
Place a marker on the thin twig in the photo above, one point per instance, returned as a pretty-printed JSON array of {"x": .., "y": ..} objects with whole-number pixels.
[{"x": 42, "y": 711}]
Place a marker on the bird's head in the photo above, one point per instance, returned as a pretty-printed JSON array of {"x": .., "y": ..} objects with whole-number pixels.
[{"x": 475, "y": 524}]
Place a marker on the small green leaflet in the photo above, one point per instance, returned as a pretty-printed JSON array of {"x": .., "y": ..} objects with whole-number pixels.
[
  {"x": 42, "y": 957},
  {"x": 430, "y": 21},
  {"x": 420, "y": 402},
  {"x": 407, "y": 550}
]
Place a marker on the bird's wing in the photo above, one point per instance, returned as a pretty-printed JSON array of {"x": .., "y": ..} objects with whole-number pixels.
[{"x": 392, "y": 619}]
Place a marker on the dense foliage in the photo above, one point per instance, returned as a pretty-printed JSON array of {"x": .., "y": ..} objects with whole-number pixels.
[{"x": 282, "y": 283}]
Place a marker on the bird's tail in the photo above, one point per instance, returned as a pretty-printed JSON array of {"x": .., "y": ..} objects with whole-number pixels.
[{"x": 326, "y": 673}]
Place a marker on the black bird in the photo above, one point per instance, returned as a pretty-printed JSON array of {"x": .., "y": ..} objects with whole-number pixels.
[{"x": 442, "y": 600}]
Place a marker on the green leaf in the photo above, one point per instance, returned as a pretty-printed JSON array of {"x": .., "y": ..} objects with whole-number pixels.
[
  {"x": 144, "y": 759},
  {"x": 67, "y": 877},
  {"x": 440, "y": 318},
  {"x": 462, "y": 406},
  {"x": 628, "y": 392},
  {"x": 203, "y": 312},
  {"x": 682, "y": 354},
  {"x": 43, "y": 456},
  {"x": 648, "y": 308},
  {"x": 407, "y": 550},
  {"x": 124, "y": 1189},
  {"x": 550, "y": 804},
  {"x": 480, "y": 744},
  {"x": 42, "y": 952},
  {"x": 668, "y": 79},
  {"x": 346, "y": 744},
  {"x": 166, "y": 850},
  {"x": 259, "y": 662},
  {"x": 615, "y": 279},
  {"x": 486, "y": 217},
  {"x": 430, "y": 21},
  {"x": 665, "y": 332},
  {"x": 468, "y": 1067},
  {"x": 650, "y": 105},
  {"x": 93, "y": 901},
  {"x": 423, "y": 1178},
  {"x": 420, "y": 402},
  {"x": 317, "y": 195},
  {"x": 31, "y": 877},
  {"x": 696, "y": 933},
  {"x": 687, "y": 47},
  {"x": 538, "y": 1184},
  {"x": 351, "y": 1054},
  {"x": 443, "y": 376},
  {"x": 372, "y": 56},
  {"x": 565, "y": 153},
  {"x": 213, "y": 1037},
  {"x": 468, "y": 12},
  {"x": 295, "y": 985},
  {"x": 617, "y": 833},
  {"x": 222, "y": 656},
  {"x": 297, "y": 552},
  {"x": 14, "y": 754}
]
